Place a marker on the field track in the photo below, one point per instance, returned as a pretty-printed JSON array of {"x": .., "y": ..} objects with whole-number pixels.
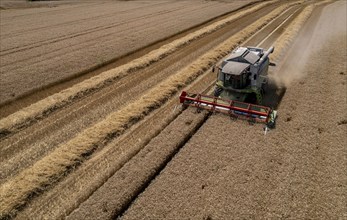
[{"x": 116, "y": 161}]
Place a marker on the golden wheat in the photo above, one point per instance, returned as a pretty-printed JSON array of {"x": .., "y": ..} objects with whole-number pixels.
[{"x": 16, "y": 191}]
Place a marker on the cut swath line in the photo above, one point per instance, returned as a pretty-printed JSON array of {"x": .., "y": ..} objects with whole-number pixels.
[
  {"x": 32, "y": 134},
  {"x": 260, "y": 43},
  {"x": 249, "y": 39}
]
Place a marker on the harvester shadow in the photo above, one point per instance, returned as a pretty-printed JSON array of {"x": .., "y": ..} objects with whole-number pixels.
[{"x": 273, "y": 94}]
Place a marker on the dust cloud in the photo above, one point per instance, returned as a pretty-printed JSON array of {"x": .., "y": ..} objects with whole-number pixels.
[{"x": 331, "y": 24}]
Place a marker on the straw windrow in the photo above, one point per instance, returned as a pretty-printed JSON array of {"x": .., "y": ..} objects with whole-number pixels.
[
  {"x": 16, "y": 191},
  {"x": 44, "y": 107}
]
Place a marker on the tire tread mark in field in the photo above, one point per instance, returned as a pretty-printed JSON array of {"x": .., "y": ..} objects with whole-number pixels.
[{"x": 159, "y": 169}]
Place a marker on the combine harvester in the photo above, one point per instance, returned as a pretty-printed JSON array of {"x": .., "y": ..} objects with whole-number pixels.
[{"x": 239, "y": 89}]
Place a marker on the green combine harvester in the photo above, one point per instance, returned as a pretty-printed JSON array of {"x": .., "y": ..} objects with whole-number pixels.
[{"x": 239, "y": 88}]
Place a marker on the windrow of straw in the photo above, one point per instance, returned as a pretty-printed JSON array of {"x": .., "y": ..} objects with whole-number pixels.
[
  {"x": 17, "y": 190},
  {"x": 44, "y": 107}
]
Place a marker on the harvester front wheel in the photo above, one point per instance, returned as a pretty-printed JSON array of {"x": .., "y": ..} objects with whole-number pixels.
[{"x": 217, "y": 91}]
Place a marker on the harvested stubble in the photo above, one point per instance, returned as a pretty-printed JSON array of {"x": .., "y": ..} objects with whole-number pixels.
[
  {"x": 133, "y": 177},
  {"x": 68, "y": 194},
  {"x": 15, "y": 192},
  {"x": 46, "y": 106}
]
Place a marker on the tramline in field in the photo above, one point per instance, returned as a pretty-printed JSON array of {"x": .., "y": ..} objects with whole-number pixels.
[{"x": 239, "y": 89}]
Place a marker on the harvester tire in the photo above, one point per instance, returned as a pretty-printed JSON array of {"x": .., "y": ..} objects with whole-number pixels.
[{"x": 217, "y": 91}]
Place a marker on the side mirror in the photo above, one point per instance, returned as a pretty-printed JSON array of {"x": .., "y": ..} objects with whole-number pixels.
[{"x": 272, "y": 64}]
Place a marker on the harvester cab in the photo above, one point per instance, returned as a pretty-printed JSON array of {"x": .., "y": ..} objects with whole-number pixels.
[
  {"x": 239, "y": 88},
  {"x": 242, "y": 74}
]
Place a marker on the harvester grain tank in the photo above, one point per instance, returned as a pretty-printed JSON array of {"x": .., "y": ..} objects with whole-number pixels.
[{"x": 239, "y": 88}]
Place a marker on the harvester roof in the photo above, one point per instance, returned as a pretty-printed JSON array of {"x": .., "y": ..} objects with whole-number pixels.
[
  {"x": 244, "y": 55},
  {"x": 234, "y": 68}
]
